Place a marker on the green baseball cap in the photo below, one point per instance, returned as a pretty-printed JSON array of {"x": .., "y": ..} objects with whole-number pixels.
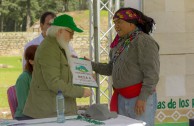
[{"x": 66, "y": 21}]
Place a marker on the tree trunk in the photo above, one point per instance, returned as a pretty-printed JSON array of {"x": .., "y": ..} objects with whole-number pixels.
[
  {"x": 80, "y": 5},
  {"x": 2, "y": 18},
  {"x": 15, "y": 25},
  {"x": 28, "y": 18},
  {"x": 66, "y": 4},
  {"x": 84, "y": 4}
]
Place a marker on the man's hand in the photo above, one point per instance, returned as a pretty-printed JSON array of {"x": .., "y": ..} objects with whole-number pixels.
[
  {"x": 140, "y": 107},
  {"x": 85, "y": 58},
  {"x": 87, "y": 92},
  {"x": 73, "y": 56}
]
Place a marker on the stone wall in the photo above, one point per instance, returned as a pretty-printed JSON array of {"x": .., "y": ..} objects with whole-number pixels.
[{"x": 12, "y": 43}]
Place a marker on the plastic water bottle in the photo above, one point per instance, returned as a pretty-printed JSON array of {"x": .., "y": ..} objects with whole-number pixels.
[{"x": 60, "y": 107}]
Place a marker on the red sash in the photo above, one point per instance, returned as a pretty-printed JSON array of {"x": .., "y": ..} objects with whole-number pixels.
[{"x": 127, "y": 92}]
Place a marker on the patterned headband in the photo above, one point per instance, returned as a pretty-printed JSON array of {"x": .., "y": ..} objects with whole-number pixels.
[{"x": 128, "y": 15}]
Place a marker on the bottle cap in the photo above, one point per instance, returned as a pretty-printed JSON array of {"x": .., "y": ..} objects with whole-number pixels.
[{"x": 59, "y": 91}]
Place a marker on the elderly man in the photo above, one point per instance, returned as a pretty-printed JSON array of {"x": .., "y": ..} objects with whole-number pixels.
[
  {"x": 52, "y": 72},
  {"x": 44, "y": 25}
]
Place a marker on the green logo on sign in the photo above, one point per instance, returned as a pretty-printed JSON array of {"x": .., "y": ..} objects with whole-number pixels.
[{"x": 81, "y": 68}]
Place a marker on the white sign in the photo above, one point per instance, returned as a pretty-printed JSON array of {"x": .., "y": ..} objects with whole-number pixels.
[{"x": 82, "y": 72}]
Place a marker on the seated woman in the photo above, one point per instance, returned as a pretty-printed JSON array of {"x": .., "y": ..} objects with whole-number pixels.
[{"x": 23, "y": 82}]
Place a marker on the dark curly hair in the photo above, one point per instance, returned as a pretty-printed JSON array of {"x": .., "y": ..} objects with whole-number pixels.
[{"x": 146, "y": 24}]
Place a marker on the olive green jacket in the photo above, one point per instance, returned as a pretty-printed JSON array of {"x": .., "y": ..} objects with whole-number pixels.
[{"x": 51, "y": 73}]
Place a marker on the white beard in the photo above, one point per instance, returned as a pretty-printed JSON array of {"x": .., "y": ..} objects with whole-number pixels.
[{"x": 65, "y": 45}]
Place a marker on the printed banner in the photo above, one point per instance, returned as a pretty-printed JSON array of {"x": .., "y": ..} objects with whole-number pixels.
[{"x": 175, "y": 90}]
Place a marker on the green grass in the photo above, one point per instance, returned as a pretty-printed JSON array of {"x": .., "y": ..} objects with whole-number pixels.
[
  {"x": 83, "y": 19},
  {"x": 103, "y": 13},
  {"x": 8, "y": 76},
  {"x": 86, "y": 101}
]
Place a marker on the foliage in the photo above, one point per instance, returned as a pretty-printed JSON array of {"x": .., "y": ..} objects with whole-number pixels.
[{"x": 13, "y": 13}]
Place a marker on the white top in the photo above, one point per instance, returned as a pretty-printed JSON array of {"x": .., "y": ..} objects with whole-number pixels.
[
  {"x": 37, "y": 41},
  {"x": 71, "y": 121}
]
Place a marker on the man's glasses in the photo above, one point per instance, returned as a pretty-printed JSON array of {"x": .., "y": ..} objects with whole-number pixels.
[{"x": 70, "y": 31}]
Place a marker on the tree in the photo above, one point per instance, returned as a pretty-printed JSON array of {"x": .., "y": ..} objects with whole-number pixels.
[
  {"x": 66, "y": 5},
  {"x": 3, "y": 12},
  {"x": 19, "y": 15},
  {"x": 28, "y": 14},
  {"x": 1, "y": 17},
  {"x": 83, "y": 4}
]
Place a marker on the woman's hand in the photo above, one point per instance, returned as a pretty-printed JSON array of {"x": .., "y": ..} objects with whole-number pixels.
[
  {"x": 140, "y": 107},
  {"x": 73, "y": 56}
]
